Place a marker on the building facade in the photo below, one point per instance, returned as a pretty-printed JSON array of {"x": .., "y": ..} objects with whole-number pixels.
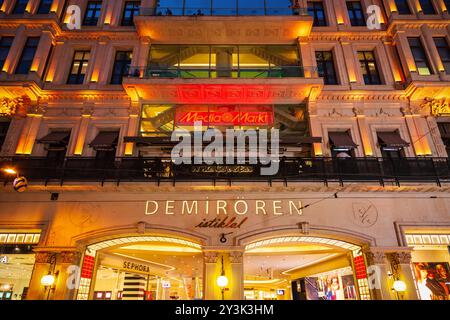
[{"x": 91, "y": 92}]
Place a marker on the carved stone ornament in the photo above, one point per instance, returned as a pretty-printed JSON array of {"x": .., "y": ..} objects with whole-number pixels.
[
  {"x": 437, "y": 107},
  {"x": 71, "y": 257},
  {"x": 236, "y": 256},
  {"x": 42, "y": 257},
  {"x": 375, "y": 257},
  {"x": 9, "y": 107},
  {"x": 211, "y": 256}
]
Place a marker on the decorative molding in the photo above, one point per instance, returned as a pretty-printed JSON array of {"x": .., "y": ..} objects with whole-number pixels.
[
  {"x": 211, "y": 256},
  {"x": 374, "y": 256},
  {"x": 436, "y": 107},
  {"x": 11, "y": 107},
  {"x": 381, "y": 113},
  {"x": 236, "y": 256}
]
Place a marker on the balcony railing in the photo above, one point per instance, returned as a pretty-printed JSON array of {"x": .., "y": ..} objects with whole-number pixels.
[
  {"x": 232, "y": 11},
  {"x": 211, "y": 73},
  {"x": 146, "y": 169}
]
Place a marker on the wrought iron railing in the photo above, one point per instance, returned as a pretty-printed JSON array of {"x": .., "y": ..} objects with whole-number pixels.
[
  {"x": 210, "y": 73},
  {"x": 141, "y": 169},
  {"x": 231, "y": 11}
]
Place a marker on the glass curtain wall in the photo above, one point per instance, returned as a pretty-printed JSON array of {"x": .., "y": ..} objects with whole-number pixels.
[
  {"x": 224, "y": 61},
  {"x": 226, "y": 7}
]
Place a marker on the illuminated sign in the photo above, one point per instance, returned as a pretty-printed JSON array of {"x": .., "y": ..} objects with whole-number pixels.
[
  {"x": 238, "y": 207},
  {"x": 224, "y": 115},
  {"x": 3, "y": 259},
  {"x": 135, "y": 266},
  {"x": 222, "y": 223},
  {"x": 280, "y": 292},
  {"x": 165, "y": 284}
]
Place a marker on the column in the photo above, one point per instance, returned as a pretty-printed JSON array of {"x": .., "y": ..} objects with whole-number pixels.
[
  {"x": 86, "y": 114},
  {"x": 315, "y": 127},
  {"x": 377, "y": 273},
  {"x": 57, "y": 7},
  {"x": 390, "y": 6},
  {"x": 56, "y": 64},
  {"x": 362, "y": 126},
  {"x": 133, "y": 121},
  {"x": 30, "y": 129},
  {"x": 404, "y": 51},
  {"x": 237, "y": 275},
  {"x": 393, "y": 61},
  {"x": 349, "y": 58},
  {"x": 400, "y": 262},
  {"x": 14, "y": 52},
  {"x": 433, "y": 129},
  {"x": 210, "y": 271},
  {"x": 430, "y": 46},
  {"x": 109, "y": 12},
  {"x": 97, "y": 59},
  {"x": 42, "y": 53},
  {"x": 143, "y": 54},
  {"x": 415, "y": 138},
  {"x": 307, "y": 57}
]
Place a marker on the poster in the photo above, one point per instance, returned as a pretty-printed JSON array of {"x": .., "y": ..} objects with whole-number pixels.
[{"x": 433, "y": 280}]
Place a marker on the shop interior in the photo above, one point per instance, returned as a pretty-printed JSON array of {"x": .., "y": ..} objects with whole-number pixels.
[{"x": 15, "y": 275}]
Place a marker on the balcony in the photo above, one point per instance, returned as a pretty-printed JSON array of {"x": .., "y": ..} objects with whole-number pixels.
[
  {"x": 159, "y": 170},
  {"x": 276, "y": 85},
  {"x": 269, "y": 25}
]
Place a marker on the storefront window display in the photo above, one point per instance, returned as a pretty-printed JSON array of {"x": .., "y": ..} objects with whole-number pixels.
[
  {"x": 333, "y": 285},
  {"x": 433, "y": 280}
]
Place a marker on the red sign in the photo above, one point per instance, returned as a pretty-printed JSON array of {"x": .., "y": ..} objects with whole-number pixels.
[
  {"x": 360, "y": 267},
  {"x": 224, "y": 115}
]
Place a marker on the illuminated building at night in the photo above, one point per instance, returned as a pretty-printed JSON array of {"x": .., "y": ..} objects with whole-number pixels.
[{"x": 91, "y": 92}]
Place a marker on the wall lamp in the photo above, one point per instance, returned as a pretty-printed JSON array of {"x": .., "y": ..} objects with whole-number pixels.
[
  {"x": 50, "y": 279},
  {"x": 222, "y": 281}
]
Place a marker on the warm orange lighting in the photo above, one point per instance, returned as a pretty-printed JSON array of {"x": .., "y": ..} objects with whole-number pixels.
[
  {"x": 129, "y": 149},
  {"x": 3, "y": 7},
  {"x": 10, "y": 171}
]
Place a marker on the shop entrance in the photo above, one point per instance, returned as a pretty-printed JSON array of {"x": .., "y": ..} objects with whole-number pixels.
[
  {"x": 144, "y": 268},
  {"x": 304, "y": 268}
]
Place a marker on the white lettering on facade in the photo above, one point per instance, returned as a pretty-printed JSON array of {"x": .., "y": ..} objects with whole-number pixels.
[
  {"x": 244, "y": 204},
  {"x": 297, "y": 208},
  {"x": 169, "y": 205},
  {"x": 260, "y": 205},
  {"x": 188, "y": 209},
  {"x": 221, "y": 206},
  {"x": 149, "y": 203},
  {"x": 276, "y": 206}
]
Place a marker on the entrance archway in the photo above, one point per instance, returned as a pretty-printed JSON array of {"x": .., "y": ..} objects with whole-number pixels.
[
  {"x": 304, "y": 268},
  {"x": 144, "y": 267}
]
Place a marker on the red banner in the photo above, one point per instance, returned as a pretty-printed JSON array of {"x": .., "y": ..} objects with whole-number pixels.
[{"x": 224, "y": 115}]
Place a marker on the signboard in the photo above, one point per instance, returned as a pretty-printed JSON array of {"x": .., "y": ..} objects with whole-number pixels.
[
  {"x": 165, "y": 284},
  {"x": 3, "y": 259},
  {"x": 228, "y": 115}
]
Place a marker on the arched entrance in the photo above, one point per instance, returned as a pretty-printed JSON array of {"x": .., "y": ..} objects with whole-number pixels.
[
  {"x": 304, "y": 268},
  {"x": 144, "y": 267}
]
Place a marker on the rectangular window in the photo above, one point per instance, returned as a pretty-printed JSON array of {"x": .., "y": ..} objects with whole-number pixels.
[
  {"x": 5, "y": 45},
  {"x": 92, "y": 15},
  {"x": 444, "y": 52},
  {"x": 355, "y": 13},
  {"x": 121, "y": 66},
  {"x": 368, "y": 67},
  {"x": 4, "y": 126},
  {"x": 402, "y": 7},
  {"x": 317, "y": 11},
  {"x": 325, "y": 66},
  {"x": 78, "y": 68},
  {"x": 444, "y": 129},
  {"x": 427, "y": 7},
  {"x": 26, "y": 59},
  {"x": 130, "y": 10},
  {"x": 420, "y": 57},
  {"x": 20, "y": 7},
  {"x": 44, "y": 7}
]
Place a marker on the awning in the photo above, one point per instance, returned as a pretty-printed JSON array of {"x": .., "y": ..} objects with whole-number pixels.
[
  {"x": 105, "y": 139},
  {"x": 391, "y": 139},
  {"x": 341, "y": 140},
  {"x": 55, "y": 137}
]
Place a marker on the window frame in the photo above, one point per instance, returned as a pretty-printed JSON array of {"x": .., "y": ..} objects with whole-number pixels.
[
  {"x": 80, "y": 67},
  {"x": 447, "y": 47},
  {"x": 367, "y": 62},
  {"x": 7, "y": 49},
  {"x": 42, "y": 5},
  {"x": 123, "y": 68},
  {"x": 430, "y": 5},
  {"x": 406, "y": 2},
  {"x": 21, "y": 61},
  {"x": 359, "y": 22},
  {"x": 425, "y": 54},
  {"x": 328, "y": 63},
  {"x": 17, "y": 7},
  {"x": 316, "y": 21},
  {"x": 89, "y": 21},
  {"x": 132, "y": 10}
]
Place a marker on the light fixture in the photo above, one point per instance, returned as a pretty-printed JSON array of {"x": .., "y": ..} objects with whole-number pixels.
[
  {"x": 222, "y": 281},
  {"x": 399, "y": 286},
  {"x": 48, "y": 280},
  {"x": 10, "y": 171}
]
